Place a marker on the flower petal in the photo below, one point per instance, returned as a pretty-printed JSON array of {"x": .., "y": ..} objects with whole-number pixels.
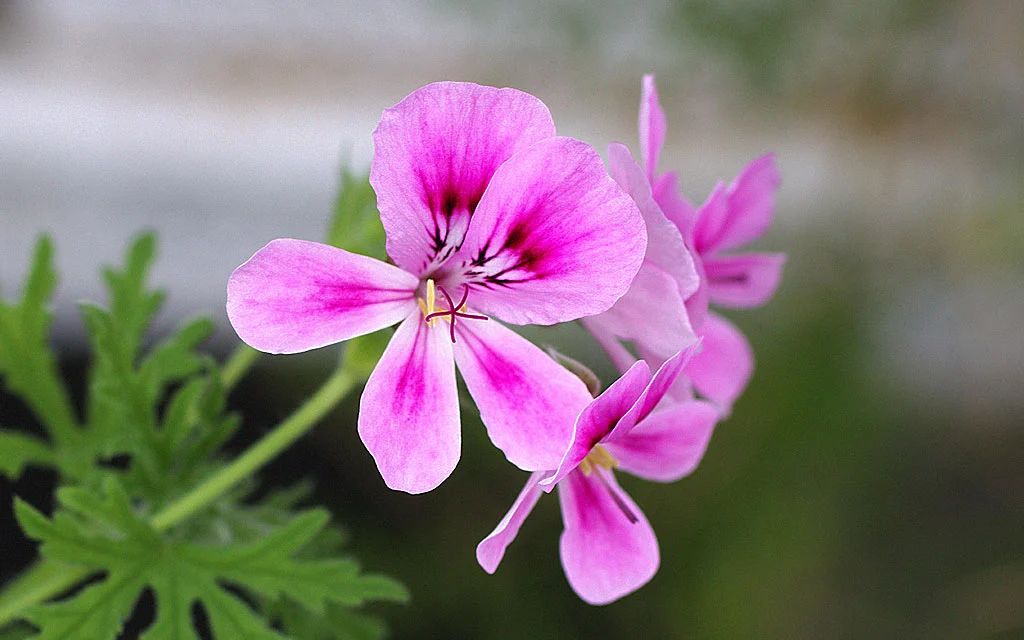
[
  {"x": 492, "y": 548},
  {"x": 409, "y": 412},
  {"x": 743, "y": 281},
  {"x": 749, "y": 204},
  {"x": 613, "y": 414},
  {"x": 599, "y": 418},
  {"x": 554, "y": 238},
  {"x": 294, "y": 295},
  {"x": 608, "y": 548},
  {"x": 652, "y": 127},
  {"x": 434, "y": 154},
  {"x": 721, "y": 370},
  {"x": 676, "y": 208},
  {"x": 697, "y": 304},
  {"x": 651, "y": 314},
  {"x": 527, "y": 401},
  {"x": 661, "y": 382},
  {"x": 665, "y": 246},
  {"x": 667, "y": 444}
]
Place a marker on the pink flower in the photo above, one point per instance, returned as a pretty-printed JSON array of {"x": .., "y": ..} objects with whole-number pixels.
[
  {"x": 608, "y": 548},
  {"x": 653, "y": 313},
  {"x": 732, "y": 216},
  {"x": 486, "y": 212}
]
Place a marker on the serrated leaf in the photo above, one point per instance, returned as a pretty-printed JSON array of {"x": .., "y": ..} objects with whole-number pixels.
[
  {"x": 175, "y": 358},
  {"x": 27, "y": 365},
  {"x": 97, "y": 611},
  {"x": 338, "y": 623},
  {"x": 103, "y": 534},
  {"x": 19, "y": 449}
]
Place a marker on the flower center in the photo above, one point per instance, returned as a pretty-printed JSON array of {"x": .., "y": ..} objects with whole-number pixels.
[
  {"x": 431, "y": 314},
  {"x": 598, "y": 459}
]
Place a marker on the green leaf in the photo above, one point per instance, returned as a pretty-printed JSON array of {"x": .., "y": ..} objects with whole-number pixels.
[
  {"x": 19, "y": 449},
  {"x": 103, "y": 534},
  {"x": 338, "y": 623},
  {"x": 356, "y": 225},
  {"x": 27, "y": 365}
]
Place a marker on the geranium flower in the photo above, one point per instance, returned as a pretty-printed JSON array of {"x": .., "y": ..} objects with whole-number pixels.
[
  {"x": 608, "y": 548},
  {"x": 487, "y": 213},
  {"x": 652, "y": 313},
  {"x": 732, "y": 216}
]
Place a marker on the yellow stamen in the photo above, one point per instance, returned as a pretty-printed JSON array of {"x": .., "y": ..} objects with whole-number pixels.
[
  {"x": 429, "y": 306},
  {"x": 598, "y": 457}
]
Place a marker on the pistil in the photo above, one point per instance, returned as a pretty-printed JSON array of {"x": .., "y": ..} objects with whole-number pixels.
[{"x": 431, "y": 315}]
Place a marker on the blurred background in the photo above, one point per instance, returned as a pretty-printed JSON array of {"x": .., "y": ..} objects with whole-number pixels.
[{"x": 870, "y": 484}]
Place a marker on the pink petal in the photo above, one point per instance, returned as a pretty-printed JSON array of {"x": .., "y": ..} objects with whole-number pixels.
[
  {"x": 661, "y": 382},
  {"x": 409, "y": 412},
  {"x": 675, "y": 207},
  {"x": 434, "y": 154},
  {"x": 652, "y": 127},
  {"x": 667, "y": 444},
  {"x": 599, "y": 418},
  {"x": 743, "y": 281},
  {"x": 651, "y": 314},
  {"x": 720, "y": 371},
  {"x": 612, "y": 415},
  {"x": 554, "y": 238},
  {"x": 665, "y": 246},
  {"x": 606, "y": 553},
  {"x": 697, "y": 304},
  {"x": 750, "y": 201},
  {"x": 527, "y": 401},
  {"x": 294, "y": 295},
  {"x": 492, "y": 548},
  {"x": 681, "y": 390}
]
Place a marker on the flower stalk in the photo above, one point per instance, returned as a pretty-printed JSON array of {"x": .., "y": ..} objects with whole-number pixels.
[{"x": 48, "y": 579}]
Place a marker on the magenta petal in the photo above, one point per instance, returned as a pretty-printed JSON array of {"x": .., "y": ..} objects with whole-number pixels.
[
  {"x": 668, "y": 444},
  {"x": 721, "y": 369},
  {"x": 608, "y": 548},
  {"x": 527, "y": 401},
  {"x": 675, "y": 207},
  {"x": 434, "y": 154},
  {"x": 661, "y": 383},
  {"x": 697, "y": 304},
  {"x": 599, "y": 418},
  {"x": 492, "y": 548},
  {"x": 409, "y": 411},
  {"x": 652, "y": 127},
  {"x": 665, "y": 246},
  {"x": 749, "y": 204},
  {"x": 743, "y": 281},
  {"x": 294, "y": 295},
  {"x": 554, "y": 238},
  {"x": 651, "y": 314}
]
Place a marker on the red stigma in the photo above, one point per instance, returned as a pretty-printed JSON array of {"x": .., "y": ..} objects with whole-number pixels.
[{"x": 453, "y": 310}]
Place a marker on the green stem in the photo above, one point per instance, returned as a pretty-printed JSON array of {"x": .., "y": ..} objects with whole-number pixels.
[
  {"x": 47, "y": 579},
  {"x": 334, "y": 389},
  {"x": 237, "y": 365}
]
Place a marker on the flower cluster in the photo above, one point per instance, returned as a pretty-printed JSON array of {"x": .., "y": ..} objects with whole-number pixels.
[{"x": 492, "y": 218}]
